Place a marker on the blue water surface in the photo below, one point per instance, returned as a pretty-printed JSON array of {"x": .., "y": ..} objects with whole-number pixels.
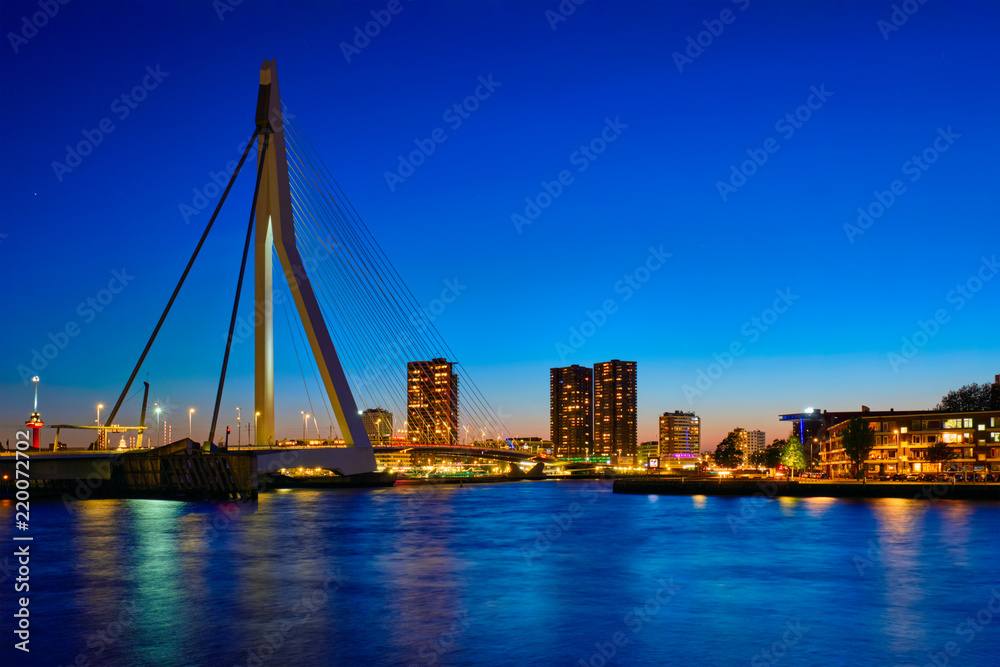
[{"x": 526, "y": 573}]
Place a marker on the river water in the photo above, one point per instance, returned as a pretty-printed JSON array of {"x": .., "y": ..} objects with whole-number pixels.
[{"x": 527, "y": 573}]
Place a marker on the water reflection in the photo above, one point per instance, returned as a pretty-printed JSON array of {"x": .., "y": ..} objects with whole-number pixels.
[{"x": 521, "y": 573}]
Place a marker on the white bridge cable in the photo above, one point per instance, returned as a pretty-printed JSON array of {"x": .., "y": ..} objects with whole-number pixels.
[
  {"x": 402, "y": 365},
  {"x": 297, "y": 334},
  {"x": 322, "y": 256},
  {"x": 392, "y": 345},
  {"x": 360, "y": 263},
  {"x": 479, "y": 404}
]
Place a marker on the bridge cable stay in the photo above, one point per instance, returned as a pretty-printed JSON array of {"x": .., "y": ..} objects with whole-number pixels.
[
  {"x": 180, "y": 283},
  {"x": 239, "y": 288},
  {"x": 477, "y": 404},
  {"x": 384, "y": 328},
  {"x": 360, "y": 290},
  {"x": 293, "y": 335},
  {"x": 380, "y": 389}
]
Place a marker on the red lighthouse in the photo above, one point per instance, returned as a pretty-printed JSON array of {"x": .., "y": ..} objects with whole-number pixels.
[{"x": 35, "y": 423}]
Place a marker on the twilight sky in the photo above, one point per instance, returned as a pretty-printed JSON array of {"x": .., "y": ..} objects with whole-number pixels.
[{"x": 825, "y": 108}]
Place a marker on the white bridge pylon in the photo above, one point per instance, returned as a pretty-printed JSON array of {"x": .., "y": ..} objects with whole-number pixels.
[{"x": 276, "y": 229}]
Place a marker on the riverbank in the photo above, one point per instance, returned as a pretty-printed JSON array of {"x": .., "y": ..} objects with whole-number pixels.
[{"x": 812, "y": 489}]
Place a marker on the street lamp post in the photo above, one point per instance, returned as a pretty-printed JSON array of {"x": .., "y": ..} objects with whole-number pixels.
[
  {"x": 239, "y": 433},
  {"x": 156, "y": 409},
  {"x": 255, "y": 416},
  {"x": 305, "y": 421},
  {"x": 190, "y": 412}
]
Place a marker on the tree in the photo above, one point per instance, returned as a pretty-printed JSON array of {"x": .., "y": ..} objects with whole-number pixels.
[
  {"x": 970, "y": 398},
  {"x": 791, "y": 454},
  {"x": 858, "y": 443},
  {"x": 728, "y": 454},
  {"x": 770, "y": 456},
  {"x": 939, "y": 452}
]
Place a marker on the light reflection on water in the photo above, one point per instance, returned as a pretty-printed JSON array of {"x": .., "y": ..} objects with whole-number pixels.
[{"x": 521, "y": 573}]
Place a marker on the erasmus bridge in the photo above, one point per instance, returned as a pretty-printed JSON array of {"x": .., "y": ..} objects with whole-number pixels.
[{"x": 354, "y": 329}]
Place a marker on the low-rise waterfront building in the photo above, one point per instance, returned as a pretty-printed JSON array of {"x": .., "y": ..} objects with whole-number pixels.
[{"x": 902, "y": 441}]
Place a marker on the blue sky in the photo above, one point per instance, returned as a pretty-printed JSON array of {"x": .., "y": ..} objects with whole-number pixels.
[{"x": 886, "y": 96}]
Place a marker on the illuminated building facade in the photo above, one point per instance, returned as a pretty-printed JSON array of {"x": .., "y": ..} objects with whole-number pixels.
[
  {"x": 680, "y": 434},
  {"x": 432, "y": 402},
  {"x": 615, "y": 429},
  {"x": 378, "y": 425},
  {"x": 903, "y": 441},
  {"x": 571, "y": 411},
  {"x": 646, "y": 451}
]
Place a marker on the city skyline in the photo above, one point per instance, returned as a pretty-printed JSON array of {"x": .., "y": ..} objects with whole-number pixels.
[
  {"x": 324, "y": 322},
  {"x": 98, "y": 275}
]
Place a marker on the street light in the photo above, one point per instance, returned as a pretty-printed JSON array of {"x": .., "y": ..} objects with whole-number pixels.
[
  {"x": 239, "y": 438},
  {"x": 305, "y": 420},
  {"x": 190, "y": 412},
  {"x": 255, "y": 416}
]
